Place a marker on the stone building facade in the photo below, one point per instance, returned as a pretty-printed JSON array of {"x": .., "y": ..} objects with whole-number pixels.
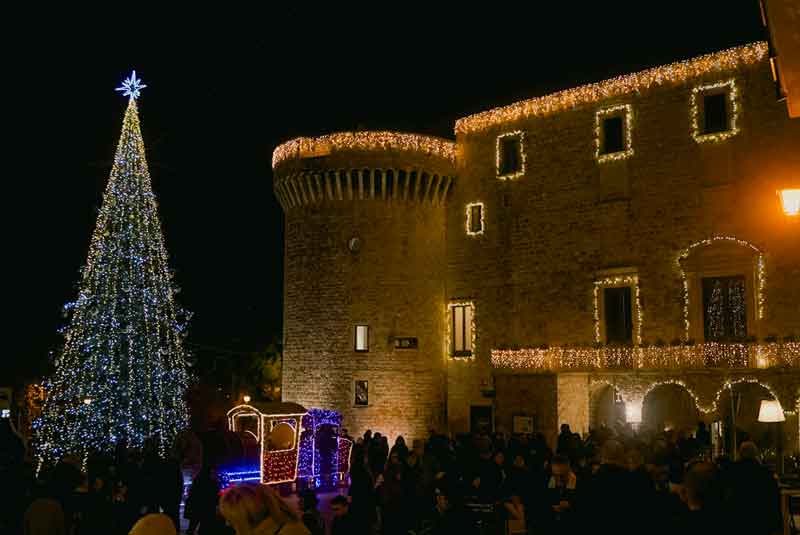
[{"x": 624, "y": 234}]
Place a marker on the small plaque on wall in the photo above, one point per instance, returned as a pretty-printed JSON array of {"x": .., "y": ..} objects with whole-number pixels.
[
  {"x": 522, "y": 424},
  {"x": 405, "y": 343},
  {"x": 362, "y": 393}
]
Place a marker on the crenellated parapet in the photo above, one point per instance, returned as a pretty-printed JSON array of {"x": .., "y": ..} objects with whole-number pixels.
[{"x": 356, "y": 166}]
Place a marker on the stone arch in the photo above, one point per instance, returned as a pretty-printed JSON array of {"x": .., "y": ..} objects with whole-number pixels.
[
  {"x": 720, "y": 256},
  {"x": 606, "y": 406},
  {"x": 670, "y": 405},
  {"x": 743, "y": 398}
]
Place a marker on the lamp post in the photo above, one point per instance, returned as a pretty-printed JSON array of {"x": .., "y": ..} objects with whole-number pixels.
[{"x": 771, "y": 412}]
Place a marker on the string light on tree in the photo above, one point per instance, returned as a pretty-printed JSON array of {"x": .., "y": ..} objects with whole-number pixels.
[{"x": 121, "y": 374}]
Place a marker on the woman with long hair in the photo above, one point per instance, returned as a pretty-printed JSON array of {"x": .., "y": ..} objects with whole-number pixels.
[{"x": 253, "y": 509}]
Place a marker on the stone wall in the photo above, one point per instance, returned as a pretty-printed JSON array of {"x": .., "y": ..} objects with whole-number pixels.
[
  {"x": 394, "y": 285},
  {"x": 550, "y": 232}
]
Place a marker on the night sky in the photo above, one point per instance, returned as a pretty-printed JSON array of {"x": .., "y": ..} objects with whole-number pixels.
[{"x": 223, "y": 93}]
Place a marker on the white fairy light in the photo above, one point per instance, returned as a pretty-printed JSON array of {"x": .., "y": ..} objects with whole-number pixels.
[
  {"x": 626, "y": 111},
  {"x": 131, "y": 86},
  {"x": 731, "y": 97},
  {"x": 478, "y": 232}
]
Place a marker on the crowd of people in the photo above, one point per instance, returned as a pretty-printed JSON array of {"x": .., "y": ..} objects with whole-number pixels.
[
  {"x": 608, "y": 481},
  {"x": 611, "y": 481}
]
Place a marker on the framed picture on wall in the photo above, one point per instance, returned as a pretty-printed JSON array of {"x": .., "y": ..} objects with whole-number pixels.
[
  {"x": 362, "y": 393},
  {"x": 522, "y": 424}
]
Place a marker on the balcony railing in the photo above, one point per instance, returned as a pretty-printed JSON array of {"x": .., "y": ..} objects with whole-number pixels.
[{"x": 695, "y": 356}]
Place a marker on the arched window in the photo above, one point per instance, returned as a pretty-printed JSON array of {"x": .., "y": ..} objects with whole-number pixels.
[{"x": 723, "y": 279}]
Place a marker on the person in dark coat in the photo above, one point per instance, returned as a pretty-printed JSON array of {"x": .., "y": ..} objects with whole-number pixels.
[
  {"x": 608, "y": 505},
  {"x": 754, "y": 493},
  {"x": 310, "y": 513},
  {"x": 400, "y": 448},
  {"x": 558, "y": 506},
  {"x": 701, "y": 494},
  {"x": 363, "y": 504},
  {"x": 344, "y": 523},
  {"x": 393, "y": 498},
  {"x": 201, "y": 504}
]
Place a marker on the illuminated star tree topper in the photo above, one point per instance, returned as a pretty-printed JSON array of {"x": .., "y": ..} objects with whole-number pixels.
[
  {"x": 122, "y": 372},
  {"x": 132, "y": 86}
]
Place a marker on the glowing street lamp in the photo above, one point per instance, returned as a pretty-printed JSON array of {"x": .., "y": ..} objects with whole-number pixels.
[
  {"x": 790, "y": 199},
  {"x": 771, "y": 413},
  {"x": 246, "y": 398}
]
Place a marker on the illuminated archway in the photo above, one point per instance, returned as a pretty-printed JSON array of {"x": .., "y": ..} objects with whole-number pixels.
[
  {"x": 670, "y": 406},
  {"x": 687, "y": 275}
]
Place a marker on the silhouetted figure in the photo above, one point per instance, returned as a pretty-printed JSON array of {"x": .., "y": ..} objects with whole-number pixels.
[
  {"x": 312, "y": 519},
  {"x": 754, "y": 494},
  {"x": 344, "y": 523},
  {"x": 201, "y": 504}
]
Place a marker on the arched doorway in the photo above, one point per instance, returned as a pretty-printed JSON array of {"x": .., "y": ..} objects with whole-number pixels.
[
  {"x": 737, "y": 407},
  {"x": 670, "y": 407},
  {"x": 607, "y": 407}
]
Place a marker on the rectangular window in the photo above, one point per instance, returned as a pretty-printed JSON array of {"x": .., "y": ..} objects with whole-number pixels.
[
  {"x": 405, "y": 343},
  {"x": 715, "y": 113},
  {"x": 361, "y": 393},
  {"x": 613, "y": 133},
  {"x": 618, "y": 315},
  {"x": 461, "y": 329},
  {"x": 724, "y": 308},
  {"x": 362, "y": 338},
  {"x": 510, "y": 158},
  {"x": 613, "y": 140},
  {"x": 475, "y": 219}
]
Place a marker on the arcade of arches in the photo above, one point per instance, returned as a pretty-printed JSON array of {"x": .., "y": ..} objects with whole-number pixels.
[
  {"x": 663, "y": 401},
  {"x": 654, "y": 400}
]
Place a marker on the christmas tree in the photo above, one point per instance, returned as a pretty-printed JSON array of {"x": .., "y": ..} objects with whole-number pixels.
[{"x": 121, "y": 375}]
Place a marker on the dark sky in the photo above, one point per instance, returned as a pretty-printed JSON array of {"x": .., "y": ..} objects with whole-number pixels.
[{"x": 224, "y": 91}]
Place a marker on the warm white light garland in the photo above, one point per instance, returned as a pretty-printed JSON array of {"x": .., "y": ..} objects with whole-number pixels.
[
  {"x": 760, "y": 276},
  {"x": 731, "y": 97},
  {"x": 302, "y": 147},
  {"x": 499, "y": 154},
  {"x": 698, "y": 356},
  {"x": 674, "y": 73},
  {"x": 616, "y": 282},
  {"x": 448, "y": 321},
  {"x": 478, "y": 232},
  {"x": 627, "y": 151}
]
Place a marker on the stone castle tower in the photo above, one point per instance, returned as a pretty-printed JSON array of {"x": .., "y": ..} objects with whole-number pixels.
[
  {"x": 564, "y": 260},
  {"x": 365, "y": 247}
]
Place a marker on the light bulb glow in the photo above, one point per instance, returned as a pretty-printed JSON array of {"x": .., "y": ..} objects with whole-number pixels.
[{"x": 790, "y": 200}]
